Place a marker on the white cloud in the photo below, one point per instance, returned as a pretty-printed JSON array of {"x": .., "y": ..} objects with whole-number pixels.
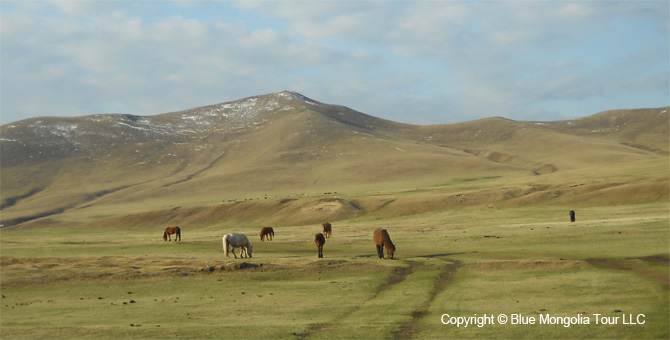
[{"x": 438, "y": 61}]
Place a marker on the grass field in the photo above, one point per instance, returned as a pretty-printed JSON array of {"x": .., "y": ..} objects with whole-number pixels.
[
  {"x": 478, "y": 212},
  {"x": 126, "y": 282}
]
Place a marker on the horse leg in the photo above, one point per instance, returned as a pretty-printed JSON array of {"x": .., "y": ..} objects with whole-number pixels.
[
  {"x": 380, "y": 251},
  {"x": 233, "y": 251}
]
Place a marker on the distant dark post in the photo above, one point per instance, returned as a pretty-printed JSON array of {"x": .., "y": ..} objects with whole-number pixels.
[{"x": 572, "y": 215}]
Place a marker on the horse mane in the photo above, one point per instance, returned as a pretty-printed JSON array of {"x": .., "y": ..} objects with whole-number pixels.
[{"x": 388, "y": 242}]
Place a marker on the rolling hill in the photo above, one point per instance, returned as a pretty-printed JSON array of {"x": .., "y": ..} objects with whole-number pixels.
[{"x": 285, "y": 158}]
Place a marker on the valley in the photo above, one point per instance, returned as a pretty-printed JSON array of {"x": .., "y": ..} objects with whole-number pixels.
[{"x": 478, "y": 212}]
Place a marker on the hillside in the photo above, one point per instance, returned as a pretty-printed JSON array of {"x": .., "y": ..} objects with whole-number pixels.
[{"x": 270, "y": 154}]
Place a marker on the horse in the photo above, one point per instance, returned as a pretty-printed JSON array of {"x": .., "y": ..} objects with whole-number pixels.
[
  {"x": 267, "y": 233},
  {"x": 172, "y": 230},
  {"x": 572, "y": 215},
  {"x": 237, "y": 241},
  {"x": 382, "y": 238},
  {"x": 319, "y": 239},
  {"x": 327, "y": 229}
]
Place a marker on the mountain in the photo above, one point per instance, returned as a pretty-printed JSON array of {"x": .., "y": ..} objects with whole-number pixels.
[{"x": 266, "y": 149}]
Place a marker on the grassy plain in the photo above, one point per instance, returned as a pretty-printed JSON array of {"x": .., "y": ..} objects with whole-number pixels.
[
  {"x": 123, "y": 283},
  {"x": 478, "y": 212}
]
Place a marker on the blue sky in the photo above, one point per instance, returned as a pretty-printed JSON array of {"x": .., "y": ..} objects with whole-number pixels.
[{"x": 419, "y": 62}]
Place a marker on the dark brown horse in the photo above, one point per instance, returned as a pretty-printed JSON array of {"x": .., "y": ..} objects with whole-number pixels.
[
  {"x": 172, "y": 230},
  {"x": 382, "y": 238},
  {"x": 572, "y": 215},
  {"x": 327, "y": 229},
  {"x": 319, "y": 239},
  {"x": 267, "y": 233}
]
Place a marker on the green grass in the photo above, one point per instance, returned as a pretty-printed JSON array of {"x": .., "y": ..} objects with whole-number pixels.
[
  {"x": 613, "y": 261},
  {"x": 477, "y": 210},
  {"x": 551, "y": 288},
  {"x": 212, "y": 306}
]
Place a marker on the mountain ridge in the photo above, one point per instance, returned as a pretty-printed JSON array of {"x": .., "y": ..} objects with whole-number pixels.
[{"x": 286, "y": 142}]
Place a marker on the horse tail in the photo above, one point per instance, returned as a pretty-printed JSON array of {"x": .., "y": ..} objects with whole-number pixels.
[
  {"x": 225, "y": 244},
  {"x": 178, "y": 233}
]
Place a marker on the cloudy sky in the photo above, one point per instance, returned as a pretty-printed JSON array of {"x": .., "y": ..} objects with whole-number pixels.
[{"x": 420, "y": 62}]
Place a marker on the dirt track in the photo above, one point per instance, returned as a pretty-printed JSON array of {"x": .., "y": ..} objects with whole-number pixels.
[
  {"x": 23, "y": 271},
  {"x": 630, "y": 266}
]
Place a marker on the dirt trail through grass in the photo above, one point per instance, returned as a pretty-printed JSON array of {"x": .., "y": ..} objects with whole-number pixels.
[
  {"x": 400, "y": 274},
  {"x": 634, "y": 266},
  {"x": 396, "y": 306},
  {"x": 441, "y": 284}
]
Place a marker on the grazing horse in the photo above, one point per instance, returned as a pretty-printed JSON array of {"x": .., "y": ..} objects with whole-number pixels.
[
  {"x": 327, "y": 229},
  {"x": 237, "y": 241},
  {"x": 572, "y": 215},
  {"x": 267, "y": 233},
  {"x": 172, "y": 230},
  {"x": 319, "y": 239},
  {"x": 382, "y": 238}
]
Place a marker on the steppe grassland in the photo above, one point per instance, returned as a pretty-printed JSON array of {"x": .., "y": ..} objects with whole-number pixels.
[
  {"x": 52, "y": 280},
  {"x": 472, "y": 259}
]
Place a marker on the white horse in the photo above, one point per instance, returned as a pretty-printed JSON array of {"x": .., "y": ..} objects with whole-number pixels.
[{"x": 237, "y": 241}]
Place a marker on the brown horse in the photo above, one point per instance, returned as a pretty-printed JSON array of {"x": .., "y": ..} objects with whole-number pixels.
[
  {"x": 267, "y": 233},
  {"x": 319, "y": 239},
  {"x": 172, "y": 230},
  {"x": 382, "y": 238},
  {"x": 572, "y": 215},
  {"x": 327, "y": 229}
]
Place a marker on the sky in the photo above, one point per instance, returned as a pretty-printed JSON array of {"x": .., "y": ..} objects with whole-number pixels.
[{"x": 417, "y": 62}]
